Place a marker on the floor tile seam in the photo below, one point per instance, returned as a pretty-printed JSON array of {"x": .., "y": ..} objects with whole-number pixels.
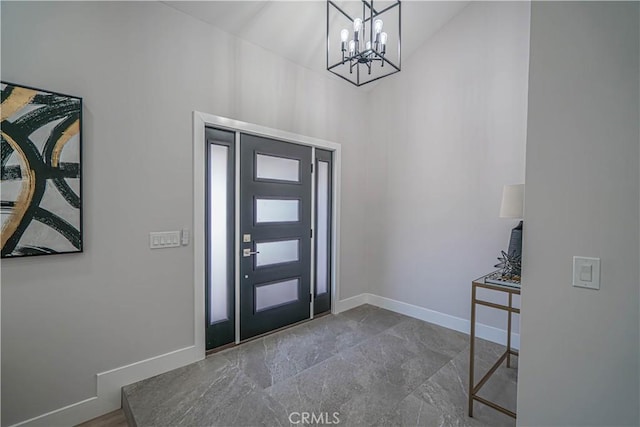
[
  {"x": 266, "y": 389},
  {"x": 248, "y": 378},
  {"x": 397, "y": 406},
  {"x": 476, "y": 356},
  {"x": 440, "y": 410},
  {"x": 318, "y": 363},
  {"x": 417, "y": 352},
  {"x": 464, "y": 350},
  {"x": 279, "y": 408},
  {"x": 489, "y": 363},
  {"x": 351, "y": 347},
  {"x": 501, "y": 379},
  {"x": 428, "y": 379},
  {"x": 363, "y": 341}
]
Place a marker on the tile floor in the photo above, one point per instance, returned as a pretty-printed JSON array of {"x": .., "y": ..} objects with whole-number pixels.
[{"x": 370, "y": 366}]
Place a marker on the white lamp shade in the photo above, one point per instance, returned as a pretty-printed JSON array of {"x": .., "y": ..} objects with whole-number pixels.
[{"x": 512, "y": 201}]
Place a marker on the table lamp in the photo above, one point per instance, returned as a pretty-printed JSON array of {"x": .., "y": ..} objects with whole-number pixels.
[{"x": 513, "y": 207}]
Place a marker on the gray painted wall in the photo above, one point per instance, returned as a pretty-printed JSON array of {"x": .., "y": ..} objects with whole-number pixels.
[
  {"x": 142, "y": 68},
  {"x": 580, "y": 355},
  {"x": 450, "y": 131}
]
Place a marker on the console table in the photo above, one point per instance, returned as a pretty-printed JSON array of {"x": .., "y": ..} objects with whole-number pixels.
[{"x": 475, "y": 388}]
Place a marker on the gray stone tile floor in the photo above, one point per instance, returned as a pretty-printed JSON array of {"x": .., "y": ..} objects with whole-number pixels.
[{"x": 371, "y": 366}]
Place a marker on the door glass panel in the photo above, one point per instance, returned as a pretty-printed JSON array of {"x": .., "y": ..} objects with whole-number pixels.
[
  {"x": 277, "y": 210},
  {"x": 322, "y": 267},
  {"x": 278, "y": 168},
  {"x": 218, "y": 158},
  {"x": 274, "y": 294},
  {"x": 277, "y": 252}
]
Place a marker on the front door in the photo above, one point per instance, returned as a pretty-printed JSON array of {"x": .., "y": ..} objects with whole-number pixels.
[{"x": 275, "y": 234}]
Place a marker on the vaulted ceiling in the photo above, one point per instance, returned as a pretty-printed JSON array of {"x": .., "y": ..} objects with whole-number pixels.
[{"x": 296, "y": 30}]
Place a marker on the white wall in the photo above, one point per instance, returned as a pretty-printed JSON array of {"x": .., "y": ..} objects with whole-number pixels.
[
  {"x": 580, "y": 355},
  {"x": 450, "y": 132},
  {"x": 142, "y": 68}
]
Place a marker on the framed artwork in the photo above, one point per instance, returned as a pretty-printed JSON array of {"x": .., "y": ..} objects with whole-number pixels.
[{"x": 41, "y": 187}]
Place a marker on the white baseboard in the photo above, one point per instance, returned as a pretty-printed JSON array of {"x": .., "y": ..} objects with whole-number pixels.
[
  {"x": 349, "y": 303},
  {"x": 489, "y": 333},
  {"x": 109, "y": 385},
  {"x": 497, "y": 335}
]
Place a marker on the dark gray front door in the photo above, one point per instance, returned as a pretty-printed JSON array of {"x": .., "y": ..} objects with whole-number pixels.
[{"x": 275, "y": 234}]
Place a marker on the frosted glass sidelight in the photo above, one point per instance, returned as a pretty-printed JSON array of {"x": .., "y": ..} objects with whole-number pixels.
[
  {"x": 275, "y": 294},
  {"x": 278, "y": 168},
  {"x": 277, "y": 252},
  {"x": 218, "y": 197},
  {"x": 277, "y": 210},
  {"x": 322, "y": 266}
]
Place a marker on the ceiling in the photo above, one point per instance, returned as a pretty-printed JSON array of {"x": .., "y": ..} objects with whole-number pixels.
[{"x": 296, "y": 30}]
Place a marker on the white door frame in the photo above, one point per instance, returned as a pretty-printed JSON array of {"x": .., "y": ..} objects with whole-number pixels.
[{"x": 200, "y": 120}]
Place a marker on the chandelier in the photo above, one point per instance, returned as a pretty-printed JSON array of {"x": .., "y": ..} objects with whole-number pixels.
[{"x": 364, "y": 50}]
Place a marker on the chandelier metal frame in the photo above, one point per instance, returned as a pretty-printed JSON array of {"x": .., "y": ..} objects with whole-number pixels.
[{"x": 374, "y": 51}]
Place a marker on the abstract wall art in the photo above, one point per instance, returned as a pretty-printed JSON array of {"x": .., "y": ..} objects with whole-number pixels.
[{"x": 41, "y": 187}]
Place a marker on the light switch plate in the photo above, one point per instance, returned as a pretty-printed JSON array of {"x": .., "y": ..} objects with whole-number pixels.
[
  {"x": 164, "y": 239},
  {"x": 586, "y": 272}
]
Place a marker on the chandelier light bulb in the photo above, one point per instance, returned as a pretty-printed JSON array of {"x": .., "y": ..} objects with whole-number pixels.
[
  {"x": 352, "y": 46},
  {"x": 357, "y": 24},
  {"x": 344, "y": 35},
  {"x": 377, "y": 25},
  {"x": 368, "y": 45},
  {"x": 383, "y": 38}
]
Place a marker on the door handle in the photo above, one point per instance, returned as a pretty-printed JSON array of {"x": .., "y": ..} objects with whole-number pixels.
[{"x": 247, "y": 252}]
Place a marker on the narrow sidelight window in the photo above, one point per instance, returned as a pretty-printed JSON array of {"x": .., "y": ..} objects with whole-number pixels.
[
  {"x": 218, "y": 226},
  {"x": 322, "y": 300},
  {"x": 220, "y": 293}
]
